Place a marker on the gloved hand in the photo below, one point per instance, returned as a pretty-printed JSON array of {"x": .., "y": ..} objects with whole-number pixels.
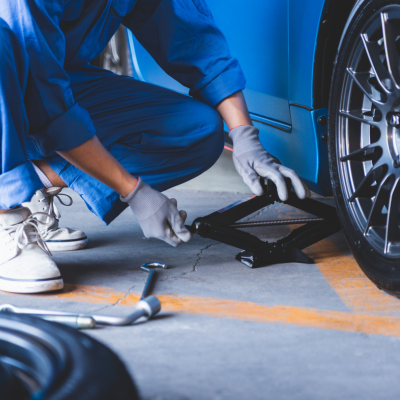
[
  {"x": 158, "y": 215},
  {"x": 252, "y": 161}
]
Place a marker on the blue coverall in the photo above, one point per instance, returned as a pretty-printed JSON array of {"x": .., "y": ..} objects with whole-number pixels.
[{"x": 52, "y": 99}]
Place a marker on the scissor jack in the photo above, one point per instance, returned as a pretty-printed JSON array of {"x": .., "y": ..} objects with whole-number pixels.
[{"x": 223, "y": 227}]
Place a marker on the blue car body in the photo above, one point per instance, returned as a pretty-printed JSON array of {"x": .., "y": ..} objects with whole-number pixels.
[{"x": 275, "y": 42}]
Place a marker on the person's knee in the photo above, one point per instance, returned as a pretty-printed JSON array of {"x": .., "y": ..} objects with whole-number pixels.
[
  {"x": 210, "y": 120},
  {"x": 215, "y": 128},
  {"x": 211, "y": 128}
]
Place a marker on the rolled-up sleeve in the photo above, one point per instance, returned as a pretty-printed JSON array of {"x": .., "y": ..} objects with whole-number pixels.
[
  {"x": 57, "y": 123},
  {"x": 182, "y": 37}
]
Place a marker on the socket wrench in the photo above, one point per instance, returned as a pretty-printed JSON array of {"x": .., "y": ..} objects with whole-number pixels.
[{"x": 146, "y": 308}]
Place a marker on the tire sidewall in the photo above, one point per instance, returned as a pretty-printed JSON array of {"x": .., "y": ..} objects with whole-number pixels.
[{"x": 381, "y": 270}]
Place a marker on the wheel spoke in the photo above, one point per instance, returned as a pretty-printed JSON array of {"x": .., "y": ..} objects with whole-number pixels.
[
  {"x": 390, "y": 34},
  {"x": 393, "y": 218},
  {"x": 359, "y": 116},
  {"x": 376, "y": 217},
  {"x": 373, "y": 50},
  {"x": 364, "y": 154},
  {"x": 361, "y": 79},
  {"x": 365, "y": 189}
]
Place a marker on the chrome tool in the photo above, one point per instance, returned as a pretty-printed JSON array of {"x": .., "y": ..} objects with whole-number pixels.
[
  {"x": 146, "y": 308},
  {"x": 148, "y": 267}
]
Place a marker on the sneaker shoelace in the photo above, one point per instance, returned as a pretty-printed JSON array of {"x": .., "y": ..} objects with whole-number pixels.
[
  {"x": 53, "y": 210},
  {"x": 28, "y": 232}
]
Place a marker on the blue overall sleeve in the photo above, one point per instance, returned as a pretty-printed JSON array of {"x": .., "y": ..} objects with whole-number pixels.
[
  {"x": 182, "y": 37},
  {"x": 57, "y": 123}
]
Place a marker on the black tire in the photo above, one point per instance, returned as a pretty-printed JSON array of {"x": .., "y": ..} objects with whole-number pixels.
[
  {"x": 50, "y": 361},
  {"x": 372, "y": 233}
]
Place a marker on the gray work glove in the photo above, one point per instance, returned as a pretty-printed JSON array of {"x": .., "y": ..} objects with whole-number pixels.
[
  {"x": 158, "y": 215},
  {"x": 252, "y": 161}
]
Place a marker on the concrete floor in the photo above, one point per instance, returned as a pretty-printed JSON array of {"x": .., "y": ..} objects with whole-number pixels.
[{"x": 289, "y": 331}]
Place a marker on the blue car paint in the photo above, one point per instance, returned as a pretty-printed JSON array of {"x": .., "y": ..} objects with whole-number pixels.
[
  {"x": 311, "y": 161},
  {"x": 147, "y": 70},
  {"x": 302, "y": 148},
  {"x": 257, "y": 32},
  {"x": 275, "y": 43},
  {"x": 304, "y": 19}
]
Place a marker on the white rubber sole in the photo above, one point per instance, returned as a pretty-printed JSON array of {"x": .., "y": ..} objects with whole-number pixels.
[
  {"x": 21, "y": 286},
  {"x": 67, "y": 246}
]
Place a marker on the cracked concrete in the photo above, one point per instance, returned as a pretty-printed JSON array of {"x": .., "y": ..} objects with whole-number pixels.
[
  {"x": 124, "y": 297},
  {"x": 199, "y": 255}
]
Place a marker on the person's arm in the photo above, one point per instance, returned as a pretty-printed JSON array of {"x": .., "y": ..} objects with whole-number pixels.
[
  {"x": 187, "y": 44},
  {"x": 234, "y": 111},
  {"x": 158, "y": 215},
  {"x": 249, "y": 156},
  {"x": 91, "y": 157}
]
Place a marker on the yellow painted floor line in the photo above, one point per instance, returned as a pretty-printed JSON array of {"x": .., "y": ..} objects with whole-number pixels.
[
  {"x": 347, "y": 279},
  {"x": 240, "y": 310},
  {"x": 344, "y": 275}
]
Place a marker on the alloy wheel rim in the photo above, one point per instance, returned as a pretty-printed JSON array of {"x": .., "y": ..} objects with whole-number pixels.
[{"x": 369, "y": 132}]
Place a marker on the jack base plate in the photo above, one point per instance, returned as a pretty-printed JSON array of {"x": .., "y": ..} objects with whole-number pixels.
[{"x": 273, "y": 256}]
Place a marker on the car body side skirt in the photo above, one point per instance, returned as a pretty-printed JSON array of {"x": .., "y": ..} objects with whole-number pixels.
[{"x": 303, "y": 148}]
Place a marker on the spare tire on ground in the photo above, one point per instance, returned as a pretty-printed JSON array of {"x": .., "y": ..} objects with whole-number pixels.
[{"x": 50, "y": 361}]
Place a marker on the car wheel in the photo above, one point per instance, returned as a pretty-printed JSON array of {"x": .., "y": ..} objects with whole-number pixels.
[
  {"x": 45, "y": 360},
  {"x": 364, "y": 138}
]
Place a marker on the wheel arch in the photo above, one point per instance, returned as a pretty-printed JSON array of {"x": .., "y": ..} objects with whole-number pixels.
[{"x": 333, "y": 20}]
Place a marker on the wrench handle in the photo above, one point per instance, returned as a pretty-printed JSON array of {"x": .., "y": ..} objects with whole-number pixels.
[{"x": 149, "y": 282}]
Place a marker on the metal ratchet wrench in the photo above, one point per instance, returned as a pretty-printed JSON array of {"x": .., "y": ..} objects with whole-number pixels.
[{"x": 146, "y": 308}]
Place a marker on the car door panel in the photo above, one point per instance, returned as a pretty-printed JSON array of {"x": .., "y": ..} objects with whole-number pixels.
[{"x": 257, "y": 34}]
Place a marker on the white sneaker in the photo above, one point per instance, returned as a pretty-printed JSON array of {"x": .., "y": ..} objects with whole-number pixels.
[
  {"x": 25, "y": 265},
  {"x": 57, "y": 239}
]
